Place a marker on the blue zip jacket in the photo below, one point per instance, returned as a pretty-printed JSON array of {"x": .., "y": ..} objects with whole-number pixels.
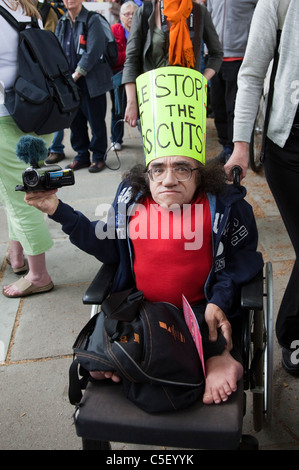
[
  {"x": 97, "y": 71},
  {"x": 234, "y": 233}
]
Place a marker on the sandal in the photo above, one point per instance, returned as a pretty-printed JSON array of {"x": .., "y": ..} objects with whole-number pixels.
[
  {"x": 27, "y": 288},
  {"x": 21, "y": 270}
]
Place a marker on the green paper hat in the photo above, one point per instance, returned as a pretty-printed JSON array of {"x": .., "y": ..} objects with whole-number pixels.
[{"x": 172, "y": 107}]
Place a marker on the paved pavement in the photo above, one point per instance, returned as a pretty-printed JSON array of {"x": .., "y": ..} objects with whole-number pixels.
[{"x": 37, "y": 332}]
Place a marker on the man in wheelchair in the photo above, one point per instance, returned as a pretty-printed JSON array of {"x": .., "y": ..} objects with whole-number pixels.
[{"x": 176, "y": 227}]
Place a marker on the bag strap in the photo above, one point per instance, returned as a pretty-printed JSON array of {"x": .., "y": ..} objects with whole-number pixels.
[
  {"x": 85, "y": 24},
  {"x": 44, "y": 11},
  {"x": 18, "y": 26},
  {"x": 147, "y": 9},
  {"x": 74, "y": 392},
  {"x": 76, "y": 385},
  {"x": 120, "y": 306}
]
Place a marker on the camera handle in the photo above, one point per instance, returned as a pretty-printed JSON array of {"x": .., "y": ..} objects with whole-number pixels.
[{"x": 19, "y": 187}]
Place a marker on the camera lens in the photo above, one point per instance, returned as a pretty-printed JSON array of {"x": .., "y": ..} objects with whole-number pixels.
[{"x": 31, "y": 178}]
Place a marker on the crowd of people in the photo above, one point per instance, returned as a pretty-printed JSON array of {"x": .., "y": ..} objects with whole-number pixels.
[{"x": 151, "y": 35}]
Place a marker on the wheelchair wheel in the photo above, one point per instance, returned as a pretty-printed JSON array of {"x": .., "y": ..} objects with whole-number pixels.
[
  {"x": 255, "y": 145},
  {"x": 261, "y": 375}
]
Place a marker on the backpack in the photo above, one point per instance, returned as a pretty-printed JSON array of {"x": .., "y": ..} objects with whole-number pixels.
[
  {"x": 148, "y": 344},
  {"x": 111, "y": 50},
  {"x": 44, "y": 98}
]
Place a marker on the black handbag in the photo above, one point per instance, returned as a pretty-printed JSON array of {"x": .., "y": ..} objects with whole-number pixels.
[{"x": 148, "y": 345}]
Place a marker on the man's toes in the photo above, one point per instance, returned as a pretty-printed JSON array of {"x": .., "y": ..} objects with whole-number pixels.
[{"x": 211, "y": 396}]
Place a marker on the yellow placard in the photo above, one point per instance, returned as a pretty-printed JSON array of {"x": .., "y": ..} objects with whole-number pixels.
[{"x": 172, "y": 106}]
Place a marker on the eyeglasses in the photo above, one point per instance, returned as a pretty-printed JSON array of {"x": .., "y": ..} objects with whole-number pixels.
[
  {"x": 127, "y": 15},
  {"x": 181, "y": 173}
]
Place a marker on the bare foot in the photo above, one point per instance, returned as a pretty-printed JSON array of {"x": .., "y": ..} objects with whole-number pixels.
[
  {"x": 223, "y": 373},
  {"x": 102, "y": 375}
]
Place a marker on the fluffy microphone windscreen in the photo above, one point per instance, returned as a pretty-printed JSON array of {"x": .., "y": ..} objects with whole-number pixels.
[{"x": 31, "y": 150}]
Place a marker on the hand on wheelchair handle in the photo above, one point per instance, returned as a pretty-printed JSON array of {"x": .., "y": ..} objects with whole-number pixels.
[
  {"x": 237, "y": 172},
  {"x": 238, "y": 159}
]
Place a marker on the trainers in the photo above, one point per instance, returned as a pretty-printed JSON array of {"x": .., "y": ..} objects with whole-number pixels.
[
  {"x": 75, "y": 165},
  {"x": 115, "y": 146},
  {"x": 54, "y": 157},
  {"x": 96, "y": 167}
]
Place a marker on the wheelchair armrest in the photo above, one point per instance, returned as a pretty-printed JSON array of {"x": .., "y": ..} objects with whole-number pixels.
[
  {"x": 100, "y": 286},
  {"x": 252, "y": 293}
]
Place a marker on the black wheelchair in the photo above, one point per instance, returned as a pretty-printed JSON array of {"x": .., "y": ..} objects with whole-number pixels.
[{"x": 105, "y": 415}]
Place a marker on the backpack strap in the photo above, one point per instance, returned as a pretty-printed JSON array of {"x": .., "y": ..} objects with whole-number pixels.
[
  {"x": 18, "y": 26},
  {"x": 193, "y": 22},
  {"x": 44, "y": 11},
  {"x": 147, "y": 9},
  {"x": 77, "y": 384},
  {"x": 85, "y": 24}
]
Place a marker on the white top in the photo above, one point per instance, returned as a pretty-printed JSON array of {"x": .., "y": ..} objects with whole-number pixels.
[
  {"x": 8, "y": 53},
  {"x": 267, "y": 18}
]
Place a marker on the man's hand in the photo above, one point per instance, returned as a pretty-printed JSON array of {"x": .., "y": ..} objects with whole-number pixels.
[
  {"x": 101, "y": 375},
  {"x": 45, "y": 201},
  {"x": 217, "y": 320},
  {"x": 239, "y": 158}
]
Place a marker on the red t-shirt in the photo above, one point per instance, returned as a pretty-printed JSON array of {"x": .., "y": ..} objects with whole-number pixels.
[{"x": 172, "y": 250}]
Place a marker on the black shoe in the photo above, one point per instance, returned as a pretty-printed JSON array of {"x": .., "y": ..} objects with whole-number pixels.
[
  {"x": 75, "y": 165},
  {"x": 96, "y": 167},
  {"x": 289, "y": 363}
]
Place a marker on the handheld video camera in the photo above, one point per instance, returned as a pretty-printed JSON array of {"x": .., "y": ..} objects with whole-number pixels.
[
  {"x": 33, "y": 150},
  {"x": 45, "y": 178}
]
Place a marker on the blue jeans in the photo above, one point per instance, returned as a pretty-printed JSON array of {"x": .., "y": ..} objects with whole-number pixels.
[
  {"x": 117, "y": 126},
  {"x": 92, "y": 111},
  {"x": 57, "y": 145}
]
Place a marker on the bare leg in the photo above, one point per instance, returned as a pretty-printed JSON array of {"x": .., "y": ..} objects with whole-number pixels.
[
  {"x": 223, "y": 373},
  {"x": 37, "y": 274},
  {"x": 16, "y": 254}
]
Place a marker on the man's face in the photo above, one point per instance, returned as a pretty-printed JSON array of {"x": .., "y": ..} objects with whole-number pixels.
[
  {"x": 169, "y": 190},
  {"x": 73, "y": 5}
]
